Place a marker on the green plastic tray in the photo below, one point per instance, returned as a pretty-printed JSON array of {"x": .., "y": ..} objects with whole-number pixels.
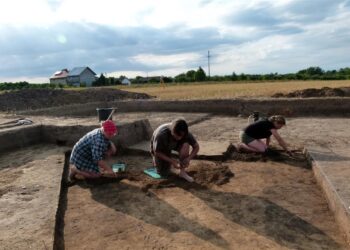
[{"x": 152, "y": 172}]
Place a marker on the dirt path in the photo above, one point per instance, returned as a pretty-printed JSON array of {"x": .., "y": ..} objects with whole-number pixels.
[{"x": 267, "y": 205}]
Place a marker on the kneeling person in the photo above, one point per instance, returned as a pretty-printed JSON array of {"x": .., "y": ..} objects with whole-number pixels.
[
  {"x": 89, "y": 153},
  {"x": 251, "y": 137},
  {"x": 173, "y": 136}
]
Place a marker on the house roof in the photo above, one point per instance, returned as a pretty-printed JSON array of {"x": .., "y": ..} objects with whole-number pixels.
[
  {"x": 60, "y": 74},
  {"x": 78, "y": 70}
]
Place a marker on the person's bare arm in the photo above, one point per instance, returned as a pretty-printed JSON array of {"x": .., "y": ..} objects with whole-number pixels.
[
  {"x": 105, "y": 168},
  {"x": 280, "y": 140},
  {"x": 194, "y": 152},
  {"x": 113, "y": 148},
  {"x": 268, "y": 140}
]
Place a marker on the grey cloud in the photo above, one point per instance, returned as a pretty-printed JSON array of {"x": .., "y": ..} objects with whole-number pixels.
[
  {"x": 325, "y": 49},
  {"x": 38, "y": 52},
  {"x": 312, "y": 11},
  {"x": 265, "y": 19},
  {"x": 256, "y": 17},
  {"x": 298, "y": 12}
]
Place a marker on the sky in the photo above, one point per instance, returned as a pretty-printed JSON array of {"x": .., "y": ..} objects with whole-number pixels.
[{"x": 161, "y": 37}]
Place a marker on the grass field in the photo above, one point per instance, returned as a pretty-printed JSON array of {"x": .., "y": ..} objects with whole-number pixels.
[{"x": 224, "y": 90}]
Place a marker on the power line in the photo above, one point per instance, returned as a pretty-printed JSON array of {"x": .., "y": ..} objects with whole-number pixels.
[{"x": 209, "y": 63}]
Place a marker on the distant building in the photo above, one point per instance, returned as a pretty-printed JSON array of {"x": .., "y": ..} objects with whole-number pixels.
[
  {"x": 59, "y": 77},
  {"x": 75, "y": 77},
  {"x": 126, "y": 81},
  {"x": 81, "y": 75}
]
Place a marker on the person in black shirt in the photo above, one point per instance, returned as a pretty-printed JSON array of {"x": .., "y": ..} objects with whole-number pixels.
[
  {"x": 173, "y": 136},
  {"x": 251, "y": 137}
]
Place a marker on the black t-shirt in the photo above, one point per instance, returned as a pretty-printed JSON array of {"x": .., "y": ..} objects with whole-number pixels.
[
  {"x": 259, "y": 129},
  {"x": 164, "y": 142}
]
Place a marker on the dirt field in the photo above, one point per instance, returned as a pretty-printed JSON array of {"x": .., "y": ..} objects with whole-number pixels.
[
  {"x": 45, "y": 98},
  {"x": 231, "y": 89},
  {"x": 267, "y": 205}
]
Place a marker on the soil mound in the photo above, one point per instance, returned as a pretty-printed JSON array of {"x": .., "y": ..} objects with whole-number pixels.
[
  {"x": 323, "y": 92},
  {"x": 44, "y": 98}
]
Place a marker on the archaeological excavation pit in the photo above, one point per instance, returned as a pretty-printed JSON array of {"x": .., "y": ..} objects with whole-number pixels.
[
  {"x": 271, "y": 202},
  {"x": 238, "y": 201}
]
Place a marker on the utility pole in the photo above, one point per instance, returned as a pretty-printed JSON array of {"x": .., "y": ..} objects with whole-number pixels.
[{"x": 209, "y": 63}]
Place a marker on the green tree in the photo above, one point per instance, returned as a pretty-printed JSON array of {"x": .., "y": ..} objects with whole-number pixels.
[
  {"x": 190, "y": 75},
  {"x": 200, "y": 75},
  {"x": 181, "y": 78},
  {"x": 101, "y": 81},
  {"x": 234, "y": 77}
]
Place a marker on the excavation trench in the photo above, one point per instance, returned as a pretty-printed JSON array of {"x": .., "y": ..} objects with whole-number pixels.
[{"x": 270, "y": 202}]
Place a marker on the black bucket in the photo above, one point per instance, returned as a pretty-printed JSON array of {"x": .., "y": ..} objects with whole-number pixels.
[{"x": 103, "y": 113}]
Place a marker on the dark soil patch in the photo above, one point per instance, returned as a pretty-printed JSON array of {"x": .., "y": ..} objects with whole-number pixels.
[
  {"x": 44, "y": 98},
  {"x": 205, "y": 173},
  {"x": 312, "y": 92},
  {"x": 298, "y": 158},
  {"x": 209, "y": 171}
]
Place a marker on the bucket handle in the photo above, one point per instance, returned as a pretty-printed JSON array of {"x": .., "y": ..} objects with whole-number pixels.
[{"x": 110, "y": 115}]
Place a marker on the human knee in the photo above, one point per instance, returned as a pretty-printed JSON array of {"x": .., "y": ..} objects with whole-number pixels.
[
  {"x": 185, "y": 150},
  {"x": 261, "y": 150}
]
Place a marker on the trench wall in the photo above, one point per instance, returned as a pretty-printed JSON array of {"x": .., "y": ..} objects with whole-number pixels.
[
  {"x": 129, "y": 133},
  {"x": 285, "y": 106}
]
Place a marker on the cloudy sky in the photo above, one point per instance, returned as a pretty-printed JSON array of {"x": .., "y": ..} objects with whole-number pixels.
[{"x": 161, "y": 37}]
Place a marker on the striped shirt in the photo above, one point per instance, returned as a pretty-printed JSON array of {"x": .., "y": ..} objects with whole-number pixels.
[{"x": 90, "y": 149}]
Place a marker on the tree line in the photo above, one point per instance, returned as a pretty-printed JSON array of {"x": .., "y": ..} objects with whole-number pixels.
[
  {"x": 26, "y": 85},
  {"x": 311, "y": 73},
  {"x": 199, "y": 75}
]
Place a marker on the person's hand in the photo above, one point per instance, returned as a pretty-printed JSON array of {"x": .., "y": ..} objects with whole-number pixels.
[
  {"x": 185, "y": 162},
  {"x": 175, "y": 164}
]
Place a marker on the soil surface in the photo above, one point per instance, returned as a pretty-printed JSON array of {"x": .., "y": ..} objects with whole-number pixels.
[
  {"x": 266, "y": 205},
  {"x": 29, "y": 187},
  {"x": 323, "y": 92},
  {"x": 44, "y": 98},
  {"x": 270, "y": 203}
]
